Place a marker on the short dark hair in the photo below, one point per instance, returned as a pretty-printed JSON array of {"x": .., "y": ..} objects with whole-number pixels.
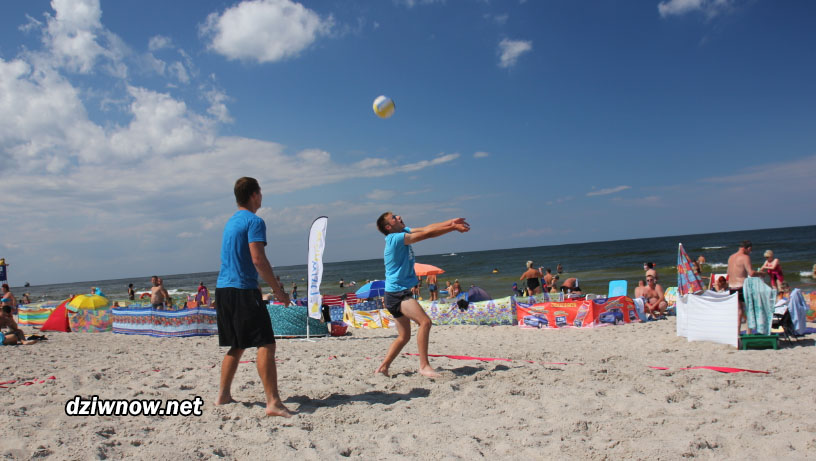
[
  {"x": 549, "y": 270},
  {"x": 382, "y": 222},
  {"x": 5, "y": 285},
  {"x": 747, "y": 244},
  {"x": 650, "y": 265},
  {"x": 244, "y": 189}
]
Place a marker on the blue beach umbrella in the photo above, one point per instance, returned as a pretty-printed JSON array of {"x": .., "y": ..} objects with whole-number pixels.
[{"x": 371, "y": 289}]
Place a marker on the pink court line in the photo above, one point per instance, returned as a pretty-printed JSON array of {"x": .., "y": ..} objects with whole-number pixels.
[
  {"x": 720, "y": 369},
  {"x": 491, "y": 359}
]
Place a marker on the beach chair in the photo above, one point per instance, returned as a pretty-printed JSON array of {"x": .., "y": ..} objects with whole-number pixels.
[
  {"x": 782, "y": 320},
  {"x": 617, "y": 288}
]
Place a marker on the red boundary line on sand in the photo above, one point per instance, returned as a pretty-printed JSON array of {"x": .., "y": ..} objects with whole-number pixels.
[
  {"x": 720, "y": 369},
  {"x": 5, "y": 384},
  {"x": 492, "y": 359}
]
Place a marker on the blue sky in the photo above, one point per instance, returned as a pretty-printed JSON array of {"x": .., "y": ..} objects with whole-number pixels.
[{"x": 123, "y": 125}]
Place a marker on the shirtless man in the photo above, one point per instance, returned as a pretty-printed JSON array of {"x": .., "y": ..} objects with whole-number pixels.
[
  {"x": 548, "y": 278},
  {"x": 157, "y": 297},
  {"x": 432, "y": 288},
  {"x": 533, "y": 277},
  {"x": 655, "y": 300},
  {"x": 639, "y": 289},
  {"x": 739, "y": 269},
  {"x": 570, "y": 285}
]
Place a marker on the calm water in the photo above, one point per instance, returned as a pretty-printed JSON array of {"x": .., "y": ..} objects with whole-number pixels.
[{"x": 594, "y": 264}]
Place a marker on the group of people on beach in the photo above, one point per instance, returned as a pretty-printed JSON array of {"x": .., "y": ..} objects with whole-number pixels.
[
  {"x": 537, "y": 281},
  {"x": 242, "y": 317}
]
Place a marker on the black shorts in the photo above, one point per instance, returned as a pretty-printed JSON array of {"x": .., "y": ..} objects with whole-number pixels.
[
  {"x": 532, "y": 284},
  {"x": 737, "y": 290},
  {"x": 243, "y": 320},
  {"x": 394, "y": 300}
]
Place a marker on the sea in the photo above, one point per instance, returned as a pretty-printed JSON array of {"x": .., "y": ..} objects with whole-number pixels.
[{"x": 594, "y": 264}]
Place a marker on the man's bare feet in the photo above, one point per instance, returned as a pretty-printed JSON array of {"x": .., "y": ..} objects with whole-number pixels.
[
  {"x": 382, "y": 370},
  {"x": 223, "y": 400},
  {"x": 278, "y": 410},
  {"x": 429, "y": 372}
]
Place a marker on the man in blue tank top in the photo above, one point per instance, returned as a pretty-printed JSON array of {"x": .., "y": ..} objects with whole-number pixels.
[
  {"x": 243, "y": 320},
  {"x": 400, "y": 277}
]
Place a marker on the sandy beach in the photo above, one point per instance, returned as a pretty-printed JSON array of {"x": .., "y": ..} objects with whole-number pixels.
[{"x": 590, "y": 394}]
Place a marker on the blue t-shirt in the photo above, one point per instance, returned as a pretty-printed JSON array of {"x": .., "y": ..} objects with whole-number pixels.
[
  {"x": 237, "y": 269},
  {"x": 399, "y": 263}
]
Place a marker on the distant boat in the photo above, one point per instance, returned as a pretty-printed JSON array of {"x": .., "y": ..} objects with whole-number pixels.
[
  {"x": 452, "y": 254},
  {"x": 27, "y": 285}
]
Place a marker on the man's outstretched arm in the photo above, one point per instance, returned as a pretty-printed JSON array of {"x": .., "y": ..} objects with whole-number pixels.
[{"x": 435, "y": 230}]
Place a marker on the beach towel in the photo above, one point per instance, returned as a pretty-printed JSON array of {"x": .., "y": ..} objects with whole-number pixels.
[
  {"x": 759, "y": 304},
  {"x": 798, "y": 307},
  {"x": 640, "y": 307}
]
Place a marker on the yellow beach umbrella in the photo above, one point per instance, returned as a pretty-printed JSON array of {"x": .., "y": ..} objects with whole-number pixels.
[{"x": 89, "y": 302}]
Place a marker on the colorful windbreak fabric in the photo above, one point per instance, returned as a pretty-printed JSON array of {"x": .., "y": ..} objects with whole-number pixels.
[
  {"x": 687, "y": 280},
  {"x": 198, "y": 321}
]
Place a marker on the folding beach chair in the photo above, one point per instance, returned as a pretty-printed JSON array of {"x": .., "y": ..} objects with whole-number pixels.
[
  {"x": 617, "y": 288},
  {"x": 784, "y": 321}
]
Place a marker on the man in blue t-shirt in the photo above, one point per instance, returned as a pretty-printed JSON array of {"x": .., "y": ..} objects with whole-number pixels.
[
  {"x": 243, "y": 320},
  {"x": 400, "y": 277}
]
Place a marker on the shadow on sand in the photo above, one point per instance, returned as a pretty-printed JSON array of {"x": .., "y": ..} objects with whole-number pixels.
[{"x": 309, "y": 405}]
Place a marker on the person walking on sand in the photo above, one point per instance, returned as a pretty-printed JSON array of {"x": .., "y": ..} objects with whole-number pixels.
[
  {"x": 243, "y": 320},
  {"x": 739, "y": 269},
  {"x": 400, "y": 277}
]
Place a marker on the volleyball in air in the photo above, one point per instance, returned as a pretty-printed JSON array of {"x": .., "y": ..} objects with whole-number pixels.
[{"x": 383, "y": 106}]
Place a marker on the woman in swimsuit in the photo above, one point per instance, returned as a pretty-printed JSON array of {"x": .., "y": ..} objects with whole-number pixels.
[
  {"x": 773, "y": 269},
  {"x": 8, "y": 299}
]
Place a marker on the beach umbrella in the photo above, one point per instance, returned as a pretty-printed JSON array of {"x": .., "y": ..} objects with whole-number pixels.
[
  {"x": 687, "y": 280},
  {"x": 89, "y": 302},
  {"x": 371, "y": 289},
  {"x": 476, "y": 294},
  {"x": 426, "y": 269}
]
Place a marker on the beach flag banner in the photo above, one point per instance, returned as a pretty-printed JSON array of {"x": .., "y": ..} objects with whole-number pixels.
[
  {"x": 687, "y": 280},
  {"x": 579, "y": 313},
  {"x": 317, "y": 244},
  {"x": 3, "y": 275}
]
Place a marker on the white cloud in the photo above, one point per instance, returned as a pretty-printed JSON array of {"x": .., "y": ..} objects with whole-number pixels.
[
  {"x": 159, "y": 42},
  {"x": 501, "y": 19},
  {"x": 481, "y": 154},
  {"x": 379, "y": 194},
  {"x": 413, "y": 3},
  {"x": 611, "y": 190},
  {"x": 264, "y": 30},
  {"x": 710, "y": 8},
  {"x": 510, "y": 50}
]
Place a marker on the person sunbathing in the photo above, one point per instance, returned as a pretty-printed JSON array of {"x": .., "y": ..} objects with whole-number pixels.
[
  {"x": 10, "y": 333},
  {"x": 655, "y": 304}
]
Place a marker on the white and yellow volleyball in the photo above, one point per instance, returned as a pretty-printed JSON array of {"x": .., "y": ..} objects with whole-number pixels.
[{"x": 384, "y": 106}]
